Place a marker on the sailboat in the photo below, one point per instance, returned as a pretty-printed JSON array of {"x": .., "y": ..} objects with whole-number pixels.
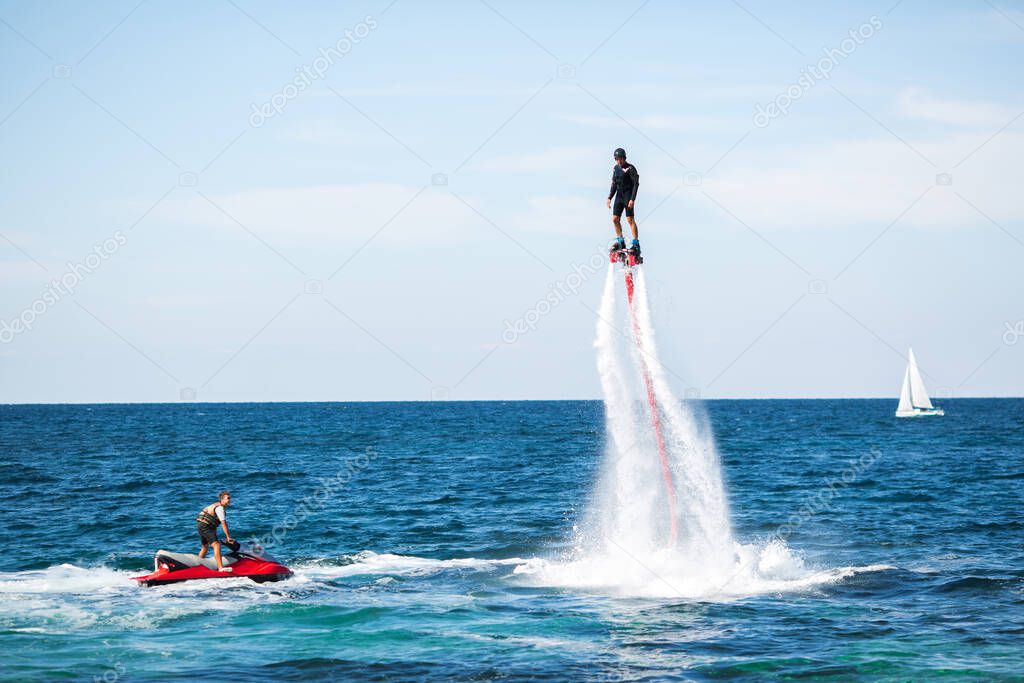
[{"x": 914, "y": 401}]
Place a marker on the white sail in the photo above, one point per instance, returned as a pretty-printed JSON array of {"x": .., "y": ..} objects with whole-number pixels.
[
  {"x": 914, "y": 399},
  {"x": 905, "y": 407},
  {"x": 918, "y": 394}
]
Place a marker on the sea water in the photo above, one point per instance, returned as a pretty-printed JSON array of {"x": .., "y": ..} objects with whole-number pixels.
[{"x": 476, "y": 541}]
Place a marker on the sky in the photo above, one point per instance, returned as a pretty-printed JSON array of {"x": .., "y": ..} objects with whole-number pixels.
[{"x": 267, "y": 201}]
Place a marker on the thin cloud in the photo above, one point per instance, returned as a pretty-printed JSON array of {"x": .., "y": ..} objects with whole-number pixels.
[
  {"x": 857, "y": 182},
  {"x": 916, "y": 103},
  {"x": 326, "y": 213},
  {"x": 663, "y": 122}
]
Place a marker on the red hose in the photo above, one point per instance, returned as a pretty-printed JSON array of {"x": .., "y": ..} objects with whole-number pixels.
[{"x": 666, "y": 472}]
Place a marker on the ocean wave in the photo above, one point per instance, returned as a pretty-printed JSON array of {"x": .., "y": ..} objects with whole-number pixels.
[{"x": 975, "y": 583}]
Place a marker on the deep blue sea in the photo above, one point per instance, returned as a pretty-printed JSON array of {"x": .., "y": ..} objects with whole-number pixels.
[{"x": 410, "y": 566}]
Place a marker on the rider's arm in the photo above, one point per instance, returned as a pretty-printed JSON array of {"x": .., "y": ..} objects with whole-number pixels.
[
  {"x": 223, "y": 522},
  {"x": 636, "y": 181},
  {"x": 611, "y": 191}
]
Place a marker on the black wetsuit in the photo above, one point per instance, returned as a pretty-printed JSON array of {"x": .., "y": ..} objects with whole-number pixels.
[{"x": 625, "y": 183}]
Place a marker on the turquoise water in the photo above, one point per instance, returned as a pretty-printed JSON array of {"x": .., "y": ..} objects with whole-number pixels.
[{"x": 436, "y": 541}]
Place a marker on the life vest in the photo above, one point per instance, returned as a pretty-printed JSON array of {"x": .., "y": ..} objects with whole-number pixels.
[{"x": 207, "y": 516}]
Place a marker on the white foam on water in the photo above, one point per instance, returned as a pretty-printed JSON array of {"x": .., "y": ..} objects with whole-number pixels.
[
  {"x": 71, "y": 581},
  {"x": 63, "y": 578},
  {"x": 756, "y": 570},
  {"x": 622, "y": 546},
  {"x": 66, "y": 598},
  {"x": 369, "y": 563}
]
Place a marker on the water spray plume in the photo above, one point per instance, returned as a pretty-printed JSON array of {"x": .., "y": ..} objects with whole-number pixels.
[
  {"x": 658, "y": 523},
  {"x": 652, "y": 405}
]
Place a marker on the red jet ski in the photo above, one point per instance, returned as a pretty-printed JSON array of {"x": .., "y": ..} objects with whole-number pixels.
[{"x": 249, "y": 561}]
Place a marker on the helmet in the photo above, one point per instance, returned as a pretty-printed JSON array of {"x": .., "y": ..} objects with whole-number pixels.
[{"x": 620, "y": 153}]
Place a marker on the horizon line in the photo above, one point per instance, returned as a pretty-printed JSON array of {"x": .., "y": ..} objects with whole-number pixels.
[{"x": 488, "y": 400}]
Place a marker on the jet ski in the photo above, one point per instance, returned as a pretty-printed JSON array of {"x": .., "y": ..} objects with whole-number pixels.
[{"x": 249, "y": 561}]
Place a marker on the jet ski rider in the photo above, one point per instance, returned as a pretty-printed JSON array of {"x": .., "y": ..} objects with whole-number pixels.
[{"x": 210, "y": 517}]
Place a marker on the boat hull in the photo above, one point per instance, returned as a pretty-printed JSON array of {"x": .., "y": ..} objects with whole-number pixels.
[
  {"x": 921, "y": 413},
  {"x": 169, "y": 569}
]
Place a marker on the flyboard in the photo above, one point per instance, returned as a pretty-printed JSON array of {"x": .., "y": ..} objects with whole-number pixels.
[{"x": 630, "y": 259}]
